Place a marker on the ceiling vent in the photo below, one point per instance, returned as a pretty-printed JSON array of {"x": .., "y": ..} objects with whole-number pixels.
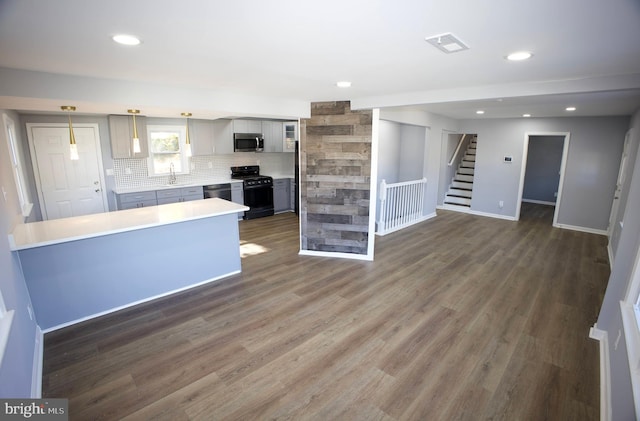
[{"x": 447, "y": 43}]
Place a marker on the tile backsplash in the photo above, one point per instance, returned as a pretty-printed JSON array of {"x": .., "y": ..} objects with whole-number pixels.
[{"x": 132, "y": 173}]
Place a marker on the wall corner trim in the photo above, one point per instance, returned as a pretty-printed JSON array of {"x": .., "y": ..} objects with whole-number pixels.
[
  {"x": 605, "y": 372},
  {"x": 37, "y": 368}
]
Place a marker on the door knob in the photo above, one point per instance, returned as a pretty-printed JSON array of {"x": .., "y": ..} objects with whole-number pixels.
[{"x": 97, "y": 190}]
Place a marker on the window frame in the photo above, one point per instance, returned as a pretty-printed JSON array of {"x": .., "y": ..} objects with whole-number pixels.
[
  {"x": 15, "y": 156},
  {"x": 184, "y": 159}
]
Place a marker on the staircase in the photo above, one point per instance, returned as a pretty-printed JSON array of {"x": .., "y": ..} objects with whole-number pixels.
[{"x": 459, "y": 193}]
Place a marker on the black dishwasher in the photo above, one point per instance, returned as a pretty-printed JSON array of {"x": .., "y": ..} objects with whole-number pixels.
[{"x": 223, "y": 191}]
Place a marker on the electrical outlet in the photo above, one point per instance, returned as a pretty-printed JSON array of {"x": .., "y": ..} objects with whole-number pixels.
[
  {"x": 501, "y": 204},
  {"x": 109, "y": 171},
  {"x": 210, "y": 165},
  {"x": 555, "y": 194},
  {"x": 127, "y": 171}
]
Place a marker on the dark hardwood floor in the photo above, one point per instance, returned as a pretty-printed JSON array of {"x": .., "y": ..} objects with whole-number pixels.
[{"x": 458, "y": 318}]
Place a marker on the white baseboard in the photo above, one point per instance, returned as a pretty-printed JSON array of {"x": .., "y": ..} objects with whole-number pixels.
[
  {"x": 335, "y": 254},
  {"x": 605, "y": 372},
  {"x": 417, "y": 221},
  {"x": 36, "y": 370},
  {"x": 581, "y": 229},
  {"x": 478, "y": 213},
  {"x": 539, "y": 202}
]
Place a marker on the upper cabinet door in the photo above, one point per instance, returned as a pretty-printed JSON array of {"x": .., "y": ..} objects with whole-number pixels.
[
  {"x": 247, "y": 126},
  {"x": 201, "y": 134},
  {"x": 121, "y": 135},
  {"x": 290, "y": 136},
  {"x": 272, "y": 131},
  {"x": 223, "y": 137}
]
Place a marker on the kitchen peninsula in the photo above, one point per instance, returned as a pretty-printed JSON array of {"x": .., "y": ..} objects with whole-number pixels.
[{"x": 82, "y": 267}]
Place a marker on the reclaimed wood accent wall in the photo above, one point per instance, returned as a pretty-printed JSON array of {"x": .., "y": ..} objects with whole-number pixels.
[{"x": 335, "y": 175}]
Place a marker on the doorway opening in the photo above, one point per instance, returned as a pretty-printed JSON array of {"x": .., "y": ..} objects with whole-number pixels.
[{"x": 543, "y": 165}]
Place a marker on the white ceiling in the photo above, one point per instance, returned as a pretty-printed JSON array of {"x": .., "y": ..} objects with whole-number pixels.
[{"x": 586, "y": 52}]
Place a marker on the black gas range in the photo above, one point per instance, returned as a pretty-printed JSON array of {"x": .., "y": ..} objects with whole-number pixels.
[{"x": 258, "y": 190}]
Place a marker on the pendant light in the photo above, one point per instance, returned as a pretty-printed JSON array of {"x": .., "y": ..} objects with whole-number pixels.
[
  {"x": 136, "y": 139},
  {"x": 187, "y": 141},
  {"x": 73, "y": 147}
]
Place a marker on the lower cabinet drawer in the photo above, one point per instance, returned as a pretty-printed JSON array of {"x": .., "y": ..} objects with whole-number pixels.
[
  {"x": 165, "y": 200},
  {"x": 134, "y": 205}
]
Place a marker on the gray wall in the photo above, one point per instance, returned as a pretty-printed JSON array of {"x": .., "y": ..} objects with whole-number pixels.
[
  {"x": 401, "y": 153},
  {"x": 388, "y": 151},
  {"x": 412, "y": 153},
  {"x": 435, "y": 126},
  {"x": 542, "y": 178},
  {"x": 610, "y": 319},
  {"x": 591, "y": 173},
  {"x": 16, "y": 369}
]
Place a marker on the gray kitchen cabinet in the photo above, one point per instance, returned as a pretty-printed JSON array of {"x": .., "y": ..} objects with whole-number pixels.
[
  {"x": 292, "y": 191},
  {"x": 136, "y": 200},
  {"x": 191, "y": 193},
  {"x": 121, "y": 135},
  {"x": 281, "y": 195},
  {"x": 168, "y": 196},
  {"x": 202, "y": 137},
  {"x": 247, "y": 126},
  {"x": 222, "y": 137},
  {"x": 183, "y": 194},
  {"x": 289, "y": 136},
  {"x": 272, "y": 131},
  {"x": 237, "y": 196}
]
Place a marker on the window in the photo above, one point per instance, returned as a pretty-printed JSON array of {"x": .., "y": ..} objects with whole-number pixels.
[
  {"x": 167, "y": 150},
  {"x": 16, "y": 163}
]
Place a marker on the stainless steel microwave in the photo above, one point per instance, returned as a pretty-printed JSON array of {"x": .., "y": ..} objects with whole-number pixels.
[{"x": 248, "y": 142}]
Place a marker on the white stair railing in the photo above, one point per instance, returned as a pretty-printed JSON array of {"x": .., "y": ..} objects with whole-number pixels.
[{"x": 400, "y": 205}]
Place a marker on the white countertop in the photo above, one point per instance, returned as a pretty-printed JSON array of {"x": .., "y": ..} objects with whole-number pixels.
[{"x": 55, "y": 231}]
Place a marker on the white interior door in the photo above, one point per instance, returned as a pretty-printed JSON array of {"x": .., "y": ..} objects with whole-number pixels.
[
  {"x": 65, "y": 187},
  {"x": 622, "y": 174}
]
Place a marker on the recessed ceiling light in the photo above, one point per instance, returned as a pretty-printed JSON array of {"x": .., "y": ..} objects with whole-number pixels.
[
  {"x": 519, "y": 56},
  {"x": 126, "y": 39},
  {"x": 343, "y": 84},
  {"x": 526, "y": 115},
  {"x": 479, "y": 112},
  {"x": 570, "y": 108}
]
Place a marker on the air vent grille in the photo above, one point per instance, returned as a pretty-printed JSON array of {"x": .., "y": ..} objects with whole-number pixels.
[{"x": 447, "y": 43}]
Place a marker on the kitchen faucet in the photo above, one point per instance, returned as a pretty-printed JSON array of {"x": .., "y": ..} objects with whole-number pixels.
[{"x": 172, "y": 174}]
